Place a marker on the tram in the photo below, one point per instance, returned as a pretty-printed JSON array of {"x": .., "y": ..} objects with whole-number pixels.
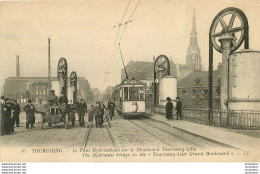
[{"x": 129, "y": 98}]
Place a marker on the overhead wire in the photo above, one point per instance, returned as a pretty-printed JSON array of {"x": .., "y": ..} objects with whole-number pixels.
[
  {"x": 125, "y": 25},
  {"x": 118, "y": 34}
]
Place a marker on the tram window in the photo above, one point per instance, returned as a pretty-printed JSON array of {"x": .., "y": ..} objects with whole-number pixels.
[
  {"x": 133, "y": 93},
  {"x": 141, "y": 93},
  {"x": 57, "y": 110},
  {"x": 126, "y": 93}
]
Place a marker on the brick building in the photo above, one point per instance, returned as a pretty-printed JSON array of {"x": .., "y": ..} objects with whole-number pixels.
[
  {"x": 194, "y": 92},
  {"x": 35, "y": 88}
]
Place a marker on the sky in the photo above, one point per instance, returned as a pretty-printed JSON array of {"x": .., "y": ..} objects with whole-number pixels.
[{"x": 83, "y": 33}]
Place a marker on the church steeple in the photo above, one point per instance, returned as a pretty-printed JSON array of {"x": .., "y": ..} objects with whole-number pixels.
[
  {"x": 193, "y": 30},
  {"x": 193, "y": 54}
]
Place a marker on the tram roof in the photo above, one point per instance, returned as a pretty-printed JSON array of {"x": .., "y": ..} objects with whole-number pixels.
[{"x": 130, "y": 82}]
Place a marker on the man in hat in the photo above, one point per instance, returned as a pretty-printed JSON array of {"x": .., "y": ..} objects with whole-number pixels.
[
  {"x": 179, "y": 108},
  {"x": 102, "y": 112},
  {"x": 63, "y": 101},
  {"x": 16, "y": 113},
  {"x": 8, "y": 126},
  {"x": 168, "y": 108},
  {"x": 97, "y": 111},
  {"x": 111, "y": 108},
  {"x": 82, "y": 110},
  {"x": 52, "y": 98},
  {"x": 2, "y": 102},
  {"x": 30, "y": 114}
]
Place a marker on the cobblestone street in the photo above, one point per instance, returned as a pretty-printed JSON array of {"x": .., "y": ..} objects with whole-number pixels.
[{"x": 134, "y": 132}]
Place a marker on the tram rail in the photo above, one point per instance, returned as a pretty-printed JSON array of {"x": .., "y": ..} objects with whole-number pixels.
[
  {"x": 89, "y": 132},
  {"x": 179, "y": 137}
]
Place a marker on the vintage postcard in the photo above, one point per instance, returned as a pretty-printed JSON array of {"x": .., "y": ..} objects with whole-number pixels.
[{"x": 130, "y": 81}]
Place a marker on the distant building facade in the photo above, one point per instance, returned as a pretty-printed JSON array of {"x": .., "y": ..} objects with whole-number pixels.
[
  {"x": 193, "y": 89},
  {"x": 35, "y": 88}
]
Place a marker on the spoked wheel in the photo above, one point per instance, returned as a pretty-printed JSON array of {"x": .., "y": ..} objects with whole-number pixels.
[
  {"x": 42, "y": 121},
  {"x": 66, "y": 121},
  {"x": 62, "y": 69},
  {"x": 73, "y": 118},
  {"x": 162, "y": 66},
  {"x": 229, "y": 21}
]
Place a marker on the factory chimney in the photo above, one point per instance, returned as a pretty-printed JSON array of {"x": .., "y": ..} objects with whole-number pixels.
[{"x": 17, "y": 66}]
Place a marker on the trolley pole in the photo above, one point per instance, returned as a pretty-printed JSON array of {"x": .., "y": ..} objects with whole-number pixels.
[{"x": 49, "y": 64}]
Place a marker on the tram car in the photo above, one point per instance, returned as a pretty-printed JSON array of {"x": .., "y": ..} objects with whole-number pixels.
[{"x": 129, "y": 98}]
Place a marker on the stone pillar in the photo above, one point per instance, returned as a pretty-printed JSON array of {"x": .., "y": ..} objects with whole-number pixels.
[{"x": 225, "y": 41}]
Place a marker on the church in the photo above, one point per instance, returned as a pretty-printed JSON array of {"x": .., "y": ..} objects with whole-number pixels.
[{"x": 192, "y": 79}]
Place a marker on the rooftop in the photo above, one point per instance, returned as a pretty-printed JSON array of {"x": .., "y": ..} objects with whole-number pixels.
[{"x": 202, "y": 76}]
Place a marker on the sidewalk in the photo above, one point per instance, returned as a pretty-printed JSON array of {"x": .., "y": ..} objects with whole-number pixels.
[{"x": 223, "y": 135}]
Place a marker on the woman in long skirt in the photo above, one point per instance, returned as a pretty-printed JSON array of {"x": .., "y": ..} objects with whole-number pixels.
[{"x": 169, "y": 107}]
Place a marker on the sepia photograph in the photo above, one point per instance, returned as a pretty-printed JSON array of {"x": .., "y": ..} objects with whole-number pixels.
[{"x": 130, "y": 81}]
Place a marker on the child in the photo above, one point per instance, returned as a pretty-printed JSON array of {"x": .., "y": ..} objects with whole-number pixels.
[
  {"x": 90, "y": 116},
  {"x": 107, "y": 119}
]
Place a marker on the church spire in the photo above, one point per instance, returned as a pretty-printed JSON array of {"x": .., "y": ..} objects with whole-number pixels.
[
  {"x": 193, "y": 30},
  {"x": 193, "y": 55}
]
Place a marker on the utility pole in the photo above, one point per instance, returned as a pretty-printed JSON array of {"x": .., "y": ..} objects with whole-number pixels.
[{"x": 49, "y": 64}]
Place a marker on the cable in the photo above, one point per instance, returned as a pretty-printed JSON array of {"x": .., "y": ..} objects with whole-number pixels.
[
  {"x": 128, "y": 21},
  {"x": 117, "y": 35}
]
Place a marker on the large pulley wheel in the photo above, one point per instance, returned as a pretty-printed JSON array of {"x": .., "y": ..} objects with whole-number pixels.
[
  {"x": 230, "y": 21},
  {"x": 66, "y": 121},
  {"x": 162, "y": 66},
  {"x": 62, "y": 69},
  {"x": 73, "y": 78}
]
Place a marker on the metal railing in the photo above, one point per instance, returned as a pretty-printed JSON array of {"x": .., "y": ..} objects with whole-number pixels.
[{"x": 228, "y": 119}]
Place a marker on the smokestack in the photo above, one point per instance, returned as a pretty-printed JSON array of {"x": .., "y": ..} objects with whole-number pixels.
[
  {"x": 17, "y": 66},
  {"x": 49, "y": 63}
]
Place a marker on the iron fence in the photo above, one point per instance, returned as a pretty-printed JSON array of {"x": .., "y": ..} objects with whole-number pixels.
[{"x": 228, "y": 119}]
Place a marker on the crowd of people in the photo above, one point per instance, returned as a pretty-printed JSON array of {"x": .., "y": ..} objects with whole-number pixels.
[
  {"x": 98, "y": 112},
  {"x": 10, "y": 111}
]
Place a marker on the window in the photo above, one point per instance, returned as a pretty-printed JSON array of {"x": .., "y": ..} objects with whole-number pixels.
[
  {"x": 126, "y": 93},
  {"x": 184, "y": 92},
  {"x": 133, "y": 93},
  {"x": 141, "y": 93}
]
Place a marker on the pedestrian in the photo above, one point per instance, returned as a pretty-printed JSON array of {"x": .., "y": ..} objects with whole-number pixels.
[
  {"x": 179, "y": 109},
  {"x": 2, "y": 102},
  {"x": 107, "y": 119},
  {"x": 97, "y": 115},
  {"x": 30, "y": 114},
  {"x": 168, "y": 108},
  {"x": 52, "y": 98},
  {"x": 82, "y": 110},
  {"x": 16, "y": 113},
  {"x": 90, "y": 116},
  {"x": 8, "y": 127},
  {"x": 102, "y": 112},
  {"x": 63, "y": 101},
  {"x": 111, "y": 108}
]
